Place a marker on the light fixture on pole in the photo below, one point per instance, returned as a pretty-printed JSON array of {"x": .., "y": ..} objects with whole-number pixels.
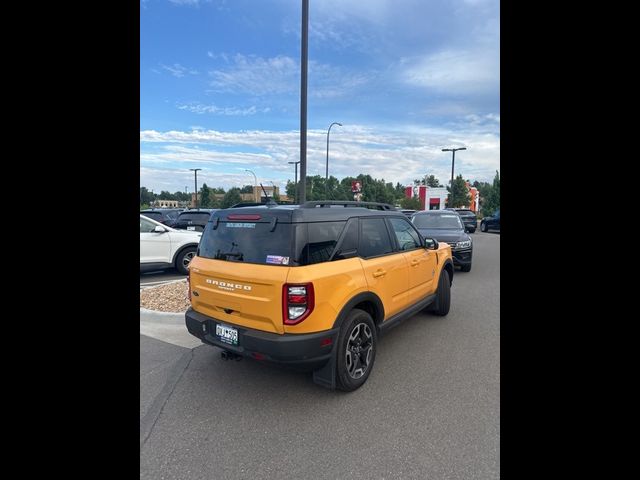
[
  {"x": 255, "y": 189},
  {"x": 453, "y": 161},
  {"x": 326, "y": 175},
  {"x": 295, "y": 190},
  {"x": 195, "y": 171}
]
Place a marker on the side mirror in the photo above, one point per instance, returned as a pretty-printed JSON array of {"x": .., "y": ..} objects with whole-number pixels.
[
  {"x": 159, "y": 229},
  {"x": 431, "y": 243}
]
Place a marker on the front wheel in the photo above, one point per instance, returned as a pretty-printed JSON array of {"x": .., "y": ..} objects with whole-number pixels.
[
  {"x": 443, "y": 296},
  {"x": 184, "y": 259},
  {"x": 465, "y": 268},
  {"x": 356, "y": 346}
]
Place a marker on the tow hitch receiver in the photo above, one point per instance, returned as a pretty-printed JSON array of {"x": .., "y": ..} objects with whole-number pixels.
[{"x": 227, "y": 355}]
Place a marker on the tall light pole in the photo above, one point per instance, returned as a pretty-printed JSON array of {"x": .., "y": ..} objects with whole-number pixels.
[
  {"x": 195, "y": 171},
  {"x": 453, "y": 161},
  {"x": 295, "y": 190},
  {"x": 255, "y": 180},
  {"x": 304, "y": 56},
  {"x": 326, "y": 175}
]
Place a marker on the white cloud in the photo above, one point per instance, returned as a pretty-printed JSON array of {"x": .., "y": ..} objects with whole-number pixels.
[
  {"x": 227, "y": 111},
  {"x": 455, "y": 71},
  {"x": 178, "y": 70},
  {"x": 396, "y": 156},
  {"x": 280, "y": 75}
]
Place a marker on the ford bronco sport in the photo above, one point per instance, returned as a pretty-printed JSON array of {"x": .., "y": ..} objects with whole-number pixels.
[{"x": 314, "y": 285}]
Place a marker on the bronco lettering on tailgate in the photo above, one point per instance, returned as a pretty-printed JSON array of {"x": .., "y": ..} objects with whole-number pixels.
[{"x": 228, "y": 285}]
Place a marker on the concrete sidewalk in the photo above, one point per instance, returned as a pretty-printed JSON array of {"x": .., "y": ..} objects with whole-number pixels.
[{"x": 167, "y": 327}]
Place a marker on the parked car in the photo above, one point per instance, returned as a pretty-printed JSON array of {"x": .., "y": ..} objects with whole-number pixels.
[
  {"x": 165, "y": 247},
  {"x": 491, "y": 223},
  {"x": 313, "y": 287},
  {"x": 166, "y": 216},
  {"x": 469, "y": 219},
  {"x": 447, "y": 226},
  {"x": 193, "y": 220},
  {"x": 408, "y": 213}
]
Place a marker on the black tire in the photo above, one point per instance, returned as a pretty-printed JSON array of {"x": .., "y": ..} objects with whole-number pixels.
[
  {"x": 472, "y": 231},
  {"x": 443, "y": 295},
  {"x": 183, "y": 258},
  {"x": 465, "y": 268},
  {"x": 357, "y": 343},
  {"x": 483, "y": 227}
]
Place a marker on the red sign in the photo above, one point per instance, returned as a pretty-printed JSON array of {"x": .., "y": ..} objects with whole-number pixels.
[{"x": 356, "y": 186}]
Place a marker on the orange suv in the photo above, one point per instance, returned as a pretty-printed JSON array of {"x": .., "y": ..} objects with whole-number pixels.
[{"x": 313, "y": 286}]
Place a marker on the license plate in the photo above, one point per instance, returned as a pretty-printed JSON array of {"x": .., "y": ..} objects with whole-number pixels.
[
  {"x": 191, "y": 228},
  {"x": 227, "y": 334}
]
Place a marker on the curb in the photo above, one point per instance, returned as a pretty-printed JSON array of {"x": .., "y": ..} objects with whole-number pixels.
[{"x": 161, "y": 317}]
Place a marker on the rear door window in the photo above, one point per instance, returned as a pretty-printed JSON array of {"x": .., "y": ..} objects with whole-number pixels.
[{"x": 374, "y": 238}]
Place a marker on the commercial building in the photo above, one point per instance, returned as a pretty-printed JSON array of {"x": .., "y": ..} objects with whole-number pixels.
[{"x": 435, "y": 198}]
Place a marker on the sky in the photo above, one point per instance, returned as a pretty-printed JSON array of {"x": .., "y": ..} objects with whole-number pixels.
[{"x": 220, "y": 90}]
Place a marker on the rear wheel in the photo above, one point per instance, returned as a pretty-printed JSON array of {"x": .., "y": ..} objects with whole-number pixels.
[
  {"x": 443, "y": 296},
  {"x": 184, "y": 258},
  {"x": 483, "y": 227},
  {"x": 356, "y": 346}
]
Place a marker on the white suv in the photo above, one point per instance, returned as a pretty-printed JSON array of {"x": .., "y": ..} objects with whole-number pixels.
[{"x": 165, "y": 247}]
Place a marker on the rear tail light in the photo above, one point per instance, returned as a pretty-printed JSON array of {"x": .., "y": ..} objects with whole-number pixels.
[
  {"x": 297, "y": 302},
  {"x": 189, "y": 286}
]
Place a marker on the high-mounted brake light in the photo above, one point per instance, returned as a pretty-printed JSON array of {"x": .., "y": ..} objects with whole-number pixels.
[
  {"x": 297, "y": 302},
  {"x": 244, "y": 216}
]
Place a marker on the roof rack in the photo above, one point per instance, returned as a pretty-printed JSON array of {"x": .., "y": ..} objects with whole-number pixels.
[{"x": 347, "y": 203}]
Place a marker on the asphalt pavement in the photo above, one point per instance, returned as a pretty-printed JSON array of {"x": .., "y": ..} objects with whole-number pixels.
[{"x": 430, "y": 409}]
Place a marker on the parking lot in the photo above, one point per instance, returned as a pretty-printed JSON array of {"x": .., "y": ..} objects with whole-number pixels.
[{"x": 430, "y": 408}]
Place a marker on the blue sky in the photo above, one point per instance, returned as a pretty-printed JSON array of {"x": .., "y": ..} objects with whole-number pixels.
[{"x": 220, "y": 89}]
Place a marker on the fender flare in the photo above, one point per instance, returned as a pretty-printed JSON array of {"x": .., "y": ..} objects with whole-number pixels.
[{"x": 359, "y": 298}]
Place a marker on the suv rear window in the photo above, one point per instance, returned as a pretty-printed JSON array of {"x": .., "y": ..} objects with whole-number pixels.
[
  {"x": 199, "y": 216},
  {"x": 157, "y": 216},
  {"x": 466, "y": 213},
  {"x": 249, "y": 242}
]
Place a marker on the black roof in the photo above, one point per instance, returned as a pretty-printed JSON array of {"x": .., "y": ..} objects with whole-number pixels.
[
  {"x": 160, "y": 210},
  {"x": 434, "y": 212},
  {"x": 312, "y": 211}
]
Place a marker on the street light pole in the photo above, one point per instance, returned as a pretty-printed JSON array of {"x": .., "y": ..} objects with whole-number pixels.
[
  {"x": 326, "y": 175},
  {"x": 295, "y": 190},
  {"x": 195, "y": 171},
  {"x": 304, "y": 56},
  {"x": 255, "y": 180},
  {"x": 453, "y": 161}
]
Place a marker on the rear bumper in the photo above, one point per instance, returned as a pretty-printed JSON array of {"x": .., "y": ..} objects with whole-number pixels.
[{"x": 297, "y": 350}]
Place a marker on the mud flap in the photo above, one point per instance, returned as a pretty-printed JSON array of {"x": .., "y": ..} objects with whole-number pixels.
[{"x": 326, "y": 376}]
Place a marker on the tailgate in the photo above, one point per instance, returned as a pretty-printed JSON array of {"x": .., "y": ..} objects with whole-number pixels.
[{"x": 245, "y": 294}]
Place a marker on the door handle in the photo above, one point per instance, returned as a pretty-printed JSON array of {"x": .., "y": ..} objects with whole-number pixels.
[
  {"x": 414, "y": 263},
  {"x": 379, "y": 273}
]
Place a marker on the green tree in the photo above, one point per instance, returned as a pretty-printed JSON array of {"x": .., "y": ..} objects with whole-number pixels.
[
  {"x": 412, "y": 203},
  {"x": 205, "y": 196},
  {"x": 247, "y": 189},
  {"x": 231, "y": 198},
  {"x": 432, "y": 181},
  {"x": 460, "y": 196},
  {"x": 164, "y": 195},
  {"x": 145, "y": 197},
  {"x": 491, "y": 201}
]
